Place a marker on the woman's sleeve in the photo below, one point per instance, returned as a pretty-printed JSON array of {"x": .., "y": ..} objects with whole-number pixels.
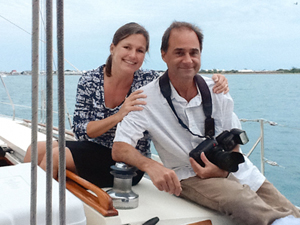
[{"x": 83, "y": 113}]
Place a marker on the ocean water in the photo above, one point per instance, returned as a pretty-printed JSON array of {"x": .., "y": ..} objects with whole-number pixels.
[{"x": 273, "y": 97}]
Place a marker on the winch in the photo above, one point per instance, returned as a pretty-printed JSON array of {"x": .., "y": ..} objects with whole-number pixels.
[{"x": 122, "y": 195}]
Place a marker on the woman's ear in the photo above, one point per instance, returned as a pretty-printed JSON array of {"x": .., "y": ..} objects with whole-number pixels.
[{"x": 111, "y": 48}]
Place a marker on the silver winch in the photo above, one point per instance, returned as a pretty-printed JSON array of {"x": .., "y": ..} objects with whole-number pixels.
[{"x": 122, "y": 195}]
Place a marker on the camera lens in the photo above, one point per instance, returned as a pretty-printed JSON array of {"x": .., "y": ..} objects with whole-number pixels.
[{"x": 229, "y": 161}]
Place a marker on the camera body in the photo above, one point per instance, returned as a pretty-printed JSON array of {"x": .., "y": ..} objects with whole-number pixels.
[{"x": 219, "y": 150}]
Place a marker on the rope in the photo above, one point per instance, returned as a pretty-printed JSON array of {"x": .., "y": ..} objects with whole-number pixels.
[
  {"x": 41, "y": 41},
  {"x": 15, "y": 25},
  {"x": 61, "y": 114},
  {"x": 49, "y": 109},
  {"x": 35, "y": 78}
]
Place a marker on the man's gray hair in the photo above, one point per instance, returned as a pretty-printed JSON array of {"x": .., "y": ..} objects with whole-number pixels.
[{"x": 180, "y": 25}]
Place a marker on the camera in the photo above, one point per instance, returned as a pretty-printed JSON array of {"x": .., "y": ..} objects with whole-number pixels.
[{"x": 219, "y": 150}]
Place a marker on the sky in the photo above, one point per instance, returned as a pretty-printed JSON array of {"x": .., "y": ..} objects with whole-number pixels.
[{"x": 256, "y": 34}]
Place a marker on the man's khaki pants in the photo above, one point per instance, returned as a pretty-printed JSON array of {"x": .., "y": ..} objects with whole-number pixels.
[{"x": 238, "y": 201}]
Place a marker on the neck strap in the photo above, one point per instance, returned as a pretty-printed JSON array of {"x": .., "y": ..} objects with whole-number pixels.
[{"x": 165, "y": 88}]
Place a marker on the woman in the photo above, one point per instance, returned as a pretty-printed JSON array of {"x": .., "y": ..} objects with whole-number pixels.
[{"x": 104, "y": 96}]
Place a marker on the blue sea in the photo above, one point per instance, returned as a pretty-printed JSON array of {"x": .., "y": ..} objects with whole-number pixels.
[{"x": 273, "y": 97}]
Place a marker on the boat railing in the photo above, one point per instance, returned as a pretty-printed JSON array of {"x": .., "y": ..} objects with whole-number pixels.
[
  {"x": 42, "y": 120},
  {"x": 261, "y": 140},
  {"x": 8, "y": 95},
  {"x": 42, "y": 109}
]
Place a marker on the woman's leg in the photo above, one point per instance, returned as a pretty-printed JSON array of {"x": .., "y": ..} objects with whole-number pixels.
[
  {"x": 93, "y": 162},
  {"x": 55, "y": 161},
  {"x": 41, "y": 146}
]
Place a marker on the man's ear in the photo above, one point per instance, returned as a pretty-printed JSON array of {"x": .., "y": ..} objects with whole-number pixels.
[{"x": 163, "y": 55}]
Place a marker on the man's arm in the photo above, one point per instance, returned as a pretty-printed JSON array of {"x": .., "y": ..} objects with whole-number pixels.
[{"x": 163, "y": 178}]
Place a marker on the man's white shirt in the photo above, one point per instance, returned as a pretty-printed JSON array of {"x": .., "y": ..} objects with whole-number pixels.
[{"x": 172, "y": 142}]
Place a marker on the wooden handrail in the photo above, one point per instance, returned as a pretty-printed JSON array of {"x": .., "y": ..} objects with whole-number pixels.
[
  {"x": 100, "y": 200},
  {"x": 4, "y": 161},
  {"x": 54, "y": 128},
  {"x": 206, "y": 222}
]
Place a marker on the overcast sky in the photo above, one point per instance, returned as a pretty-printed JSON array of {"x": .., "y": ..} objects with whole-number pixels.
[{"x": 256, "y": 34}]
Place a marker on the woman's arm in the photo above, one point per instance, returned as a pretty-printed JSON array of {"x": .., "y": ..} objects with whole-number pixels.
[{"x": 99, "y": 127}]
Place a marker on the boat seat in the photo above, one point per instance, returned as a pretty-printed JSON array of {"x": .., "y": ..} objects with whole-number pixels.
[
  {"x": 15, "y": 199},
  {"x": 18, "y": 136}
]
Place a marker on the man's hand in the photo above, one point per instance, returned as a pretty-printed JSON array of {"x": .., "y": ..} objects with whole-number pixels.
[
  {"x": 164, "y": 179},
  {"x": 221, "y": 84},
  {"x": 209, "y": 171}
]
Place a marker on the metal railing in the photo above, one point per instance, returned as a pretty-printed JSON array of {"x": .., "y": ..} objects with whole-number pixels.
[
  {"x": 8, "y": 95},
  {"x": 41, "y": 110},
  {"x": 261, "y": 140}
]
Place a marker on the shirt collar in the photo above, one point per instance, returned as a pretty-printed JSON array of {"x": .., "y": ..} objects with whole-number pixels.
[{"x": 196, "y": 101}]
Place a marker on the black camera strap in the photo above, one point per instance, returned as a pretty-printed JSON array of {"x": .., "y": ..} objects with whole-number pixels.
[{"x": 165, "y": 89}]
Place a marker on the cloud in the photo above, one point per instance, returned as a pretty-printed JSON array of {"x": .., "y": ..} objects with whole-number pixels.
[{"x": 248, "y": 31}]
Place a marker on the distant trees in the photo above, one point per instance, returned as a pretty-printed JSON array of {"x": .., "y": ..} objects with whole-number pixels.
[{"x": 293, "y": 70}]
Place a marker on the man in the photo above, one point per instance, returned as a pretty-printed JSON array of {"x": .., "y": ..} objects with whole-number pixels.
[{"x": 246, "y": 195}]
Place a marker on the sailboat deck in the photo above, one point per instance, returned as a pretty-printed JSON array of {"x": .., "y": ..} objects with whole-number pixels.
[
  {"x": 152, "y": 203},
  {"x": 16, "y": 135}
]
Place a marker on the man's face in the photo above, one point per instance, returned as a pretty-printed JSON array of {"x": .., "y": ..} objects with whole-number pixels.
[{"x": 183, "y": 56}]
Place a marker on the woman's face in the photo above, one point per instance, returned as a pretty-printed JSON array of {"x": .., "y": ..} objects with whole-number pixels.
[{"x": 128, "y": 55}]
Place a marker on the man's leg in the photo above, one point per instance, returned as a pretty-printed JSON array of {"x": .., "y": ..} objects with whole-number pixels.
[
  {"x": 230, "y": 198},
  {"x": 274, "y": 198}
]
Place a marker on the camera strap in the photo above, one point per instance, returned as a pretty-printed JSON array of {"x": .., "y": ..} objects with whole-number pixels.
[{"x": 165, "y": 88}]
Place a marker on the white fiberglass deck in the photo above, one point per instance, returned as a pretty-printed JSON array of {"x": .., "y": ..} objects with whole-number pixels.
[
  {"x": 15, "y": 201},
  {"x": 170, "y": 209},
  {"x": 152, "y": 202}
]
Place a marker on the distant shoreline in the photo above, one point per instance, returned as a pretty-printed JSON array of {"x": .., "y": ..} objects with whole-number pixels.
[
  {"x": 254, "y": 72},
  {"x": 73, "y": 72},
  {"x": 246, "y": 71}
]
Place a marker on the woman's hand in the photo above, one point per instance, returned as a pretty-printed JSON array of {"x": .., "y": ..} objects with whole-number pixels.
[
  {"x": 221, "y": 84},
  {"x": 97, "y": 128},
  {"x": 132, "y": 103}
]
